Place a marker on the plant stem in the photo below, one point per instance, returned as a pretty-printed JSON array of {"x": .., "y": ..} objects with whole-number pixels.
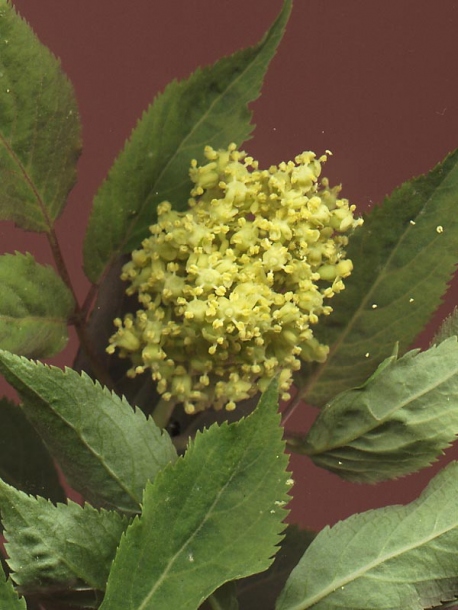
[
  {"x": 89, "y": 300},
  {"x": 214, "y": 603},
  {"x": 291, "y": 407},
  {"x": 162, "y": 412},
  {"x": 78, "y": 320},
  {"x": 295, "y": 443}
]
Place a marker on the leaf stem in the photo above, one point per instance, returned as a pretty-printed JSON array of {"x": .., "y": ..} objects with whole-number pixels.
[
  {"x": 162, "y": 412},
  {"x": 291, "y": 407},
  {"x": 214, "y": 603},
  {"x": 297, "y": 443},
  {"x": 89, "y": 299},
  {"x": 78, "y": 319}
]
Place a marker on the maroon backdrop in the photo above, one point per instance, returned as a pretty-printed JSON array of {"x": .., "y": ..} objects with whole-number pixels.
[{"x": 374, "y": 82}]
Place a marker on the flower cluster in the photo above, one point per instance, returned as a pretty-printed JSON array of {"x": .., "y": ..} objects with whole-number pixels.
[{"x": 230, "y": 289}]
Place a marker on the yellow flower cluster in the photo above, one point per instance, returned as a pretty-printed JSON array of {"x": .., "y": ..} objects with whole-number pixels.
[{"x": 230, "y": 288}]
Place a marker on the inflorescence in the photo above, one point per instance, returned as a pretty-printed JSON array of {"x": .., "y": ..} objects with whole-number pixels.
[{"x": 230, "y": 288}]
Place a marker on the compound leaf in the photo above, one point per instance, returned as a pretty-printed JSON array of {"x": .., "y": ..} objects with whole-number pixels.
[
  {"x": 398, "y": 422},
  {"x": 212, "y": 517},
  {"x": 107, "y": 450},
  {"x": 39, "y": 130},
  {"x": 210, "y": 107},
  {"x": 404, "y": 256},
  {"x": 64, "y": 545},
  {"x": 34, "y": 308},
  {"x": 396, "y": 558}
]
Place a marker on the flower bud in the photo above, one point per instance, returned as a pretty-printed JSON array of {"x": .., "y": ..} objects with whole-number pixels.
[{"x": 230, "y": 289}]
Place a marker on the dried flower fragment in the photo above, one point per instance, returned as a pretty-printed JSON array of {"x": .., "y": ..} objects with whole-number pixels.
[{"x": 230, "y": 289}]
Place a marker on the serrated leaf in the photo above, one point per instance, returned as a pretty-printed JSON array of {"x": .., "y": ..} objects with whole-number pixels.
[
  {"x": 9, "y": 599},
  {"x": 213, "y": 516},
  {"x": 39, "y": 128},
  {"x": 210, "y": 107},
  {"x": 396, "y": 558},
  {"x": 107, "y": 450},
  {"x": 25, "y": 462},
  {"x": 34, "y": 308},
  {"x": 404, "y": 256},
  {"x": 260, "y": 591},
  {"x": 398, "y": 422},
  {"x": 63, "y": 544},
  {"x": 448, "y": 328}
]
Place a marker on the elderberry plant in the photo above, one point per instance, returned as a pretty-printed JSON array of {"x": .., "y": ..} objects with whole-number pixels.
[
  {"x": 230, "y": 289},
  {"x": 218, "y": 288}
]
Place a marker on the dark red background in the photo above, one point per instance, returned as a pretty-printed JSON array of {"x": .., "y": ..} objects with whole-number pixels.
[{"x": 375, "y": 82}]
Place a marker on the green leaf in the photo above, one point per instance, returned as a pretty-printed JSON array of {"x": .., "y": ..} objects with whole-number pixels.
[
  {"x": 398, "y": 422},
  {"x": 106, "y": 450},
  {"x": 448, "y": 328},
  {"x": 224, "y": 598},
  {"x": 39, "y": 130},
  {"x": 210, "y": 107},
  {"x": 9, "y": 599},
  {"x": 25, "y": 462},
  {"x": 258, "y": 592},
  {"x": 404, "y": 256},
  {"x": 213, "y": 516},
  {"x": 50, "y": 545},
  {"x": 396, "y": 558},
  {"x": 34, "y": 308}
]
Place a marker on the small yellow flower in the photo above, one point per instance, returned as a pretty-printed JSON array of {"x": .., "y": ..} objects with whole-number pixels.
[{"x": 230, "y": 288}]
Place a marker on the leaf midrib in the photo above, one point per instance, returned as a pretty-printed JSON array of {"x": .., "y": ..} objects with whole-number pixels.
[
  {"x": 379, "y": 421},
  {"x": 188, "y": 541},
  {"x": 45, "y": 217},
  {"x": 367, "y": 568},
  {"x": 78, "y": 433},
  {"x": 308, "y": 389},
  {"x": 181, "y": 146}
]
